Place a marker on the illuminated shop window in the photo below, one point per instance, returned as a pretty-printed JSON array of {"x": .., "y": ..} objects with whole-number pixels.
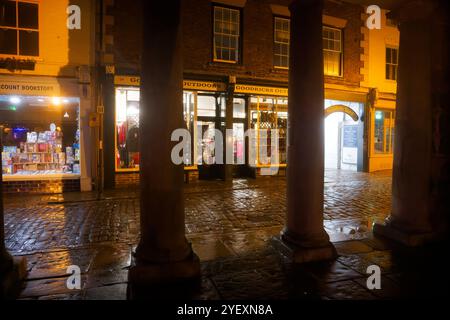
[
  {"x": 391, "y": 63},
  {"x": 269, "y": 113},
  {"x": 332, "y": 51},
  {"x": 281, "y": 42},
  {"x": 127, "y": 129},
  {"x": 190, "y": 118},
  {"x": 384, "y": 131},
  {"x": 40, "y": 136},
  {"x": 19, "y": 28},
  {"x": 226, "y": 34}
]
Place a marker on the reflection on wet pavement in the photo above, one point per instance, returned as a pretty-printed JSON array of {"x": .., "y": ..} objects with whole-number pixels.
[{"x": 230, "y": 227}]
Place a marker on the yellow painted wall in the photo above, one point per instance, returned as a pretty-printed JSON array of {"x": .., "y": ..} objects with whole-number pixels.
[
  {"x": 60, "y": 49},
  {"x": 374, "y": 71},
  {"x": 375, "y": 56}
]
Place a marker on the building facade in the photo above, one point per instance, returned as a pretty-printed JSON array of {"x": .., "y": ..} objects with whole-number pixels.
[
  {"x": 46, "y": 95},
  {"x": 236, "y": 63},
  {"x": 381, "y": 51},
  {"x": 236, "y": 53}
]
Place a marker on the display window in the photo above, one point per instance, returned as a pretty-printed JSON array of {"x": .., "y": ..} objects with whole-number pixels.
[
  {"x": 202, "y": 112},
  {"x": 127, "y": 129},
  {"x": 384, "y": 131},
  {"x": 190, "y": 118},
  {"x": 40, "y": 136},
  {"x": 269, "y": 113}
]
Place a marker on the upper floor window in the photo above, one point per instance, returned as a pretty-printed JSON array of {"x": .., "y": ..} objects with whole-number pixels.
[
  {"x": 281, "y": 42},
  {"x": 391, "y": 63},
  {"x": 332, "y": 51},
  {"x": 19, "y": 28},
  {"x": 226, "y": 34}
]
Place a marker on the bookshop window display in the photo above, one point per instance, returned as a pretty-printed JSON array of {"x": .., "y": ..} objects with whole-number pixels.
[{"x": 40, "y": 136}]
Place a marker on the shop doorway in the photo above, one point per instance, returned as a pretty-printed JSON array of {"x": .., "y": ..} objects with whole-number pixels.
[
  {"x": 343, "y": 138},
  {"x": 211, "y": 116}
]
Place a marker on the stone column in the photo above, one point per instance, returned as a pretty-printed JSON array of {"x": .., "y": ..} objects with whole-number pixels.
[
  {"x": 228, "y": 144},
  {"x": 12, "y": 271},
  {"x": 421, "y": 174},
  {"x": 163, "y": 254},
  {"x": 304, "y": 232}
]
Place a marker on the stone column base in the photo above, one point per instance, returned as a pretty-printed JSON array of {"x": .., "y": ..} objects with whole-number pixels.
[
  {"x": 11, "y": 279},
  {"x": 389, "y": 231},
  {"x": 143, "y": 276},
  {"x": 300, "y": 255}
]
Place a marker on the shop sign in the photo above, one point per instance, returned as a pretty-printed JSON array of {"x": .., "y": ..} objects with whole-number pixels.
[
  {"x": 203, "y": 85},
  {"x": 273, "y": 91},
  {"x": 127, "y": 81},
  {"x": 187, "y": 84},
  {"x": 350, "y": 144},
  {"x": 25, "y": 88}
]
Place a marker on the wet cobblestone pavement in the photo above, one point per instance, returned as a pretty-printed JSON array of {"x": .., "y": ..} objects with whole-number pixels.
[{"x": 230, "y": 227}]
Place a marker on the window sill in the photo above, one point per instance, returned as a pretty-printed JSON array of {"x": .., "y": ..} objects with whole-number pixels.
[
  {"x": 34, "y": 177},
  {"x": 226, "y": 61}
]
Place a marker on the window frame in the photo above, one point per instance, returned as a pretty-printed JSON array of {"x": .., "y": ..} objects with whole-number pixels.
[
  {"x": 390, "y": 64},
  {"x": 341, "y": 60},
  {"x": 240, "y": 35},
  {"x": 18, "y": 29},
  {"x": 391, "y": 128},
  {"x": 275, "y": 17}
]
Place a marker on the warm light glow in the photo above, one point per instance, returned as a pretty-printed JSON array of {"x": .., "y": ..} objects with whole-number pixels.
[
  {"x": 56, "y": 101},
  {"x": 15, "y": 100}
]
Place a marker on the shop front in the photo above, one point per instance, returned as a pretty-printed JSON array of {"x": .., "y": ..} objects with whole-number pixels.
[
  {"x": 263, "y": 109},
  {"x": 268, "y": 110},
  {"x": 204, "y": 112},
  {"x": 382, "y": 134},
  {"x": 41, "y": 137}
]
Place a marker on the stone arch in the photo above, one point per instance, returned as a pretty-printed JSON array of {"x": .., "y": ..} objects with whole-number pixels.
[{"x": 341, "y": 108}]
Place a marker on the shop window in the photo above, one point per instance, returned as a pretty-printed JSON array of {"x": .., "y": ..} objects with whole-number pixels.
[
  {"x": 19, "y": 28},
  {"x": 190, "y": 118},
  {"x": 206, "y": 106},
  {"x": 281, "y": 42},
  {"x": 269, "y": 114},
  {"x": 226, "y": 34},
  {"x": 40, "y": 136},
  {"x": 384, "y": 131},
  {"x": 332, "y": 51},
  {"x": 391, "y": 63},
  {"x": 127, "y": 129},
  {"x": 239, "y": 108}
]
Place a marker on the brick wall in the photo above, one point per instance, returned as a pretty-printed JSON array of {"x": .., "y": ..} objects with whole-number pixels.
[
  {"x": 126, "y": 180},
  {"x": 257, "y": 40},
  {"x": 41, "y": 186}
]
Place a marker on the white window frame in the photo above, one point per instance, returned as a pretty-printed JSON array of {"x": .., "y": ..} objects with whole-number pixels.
[
  {"x": 333, "y": 51},
  {"x": 281, "y": 43},
  {"x": 236, "y": 37}
]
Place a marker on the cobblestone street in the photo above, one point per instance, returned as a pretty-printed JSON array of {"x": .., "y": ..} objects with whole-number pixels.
[{"x": 230, "y": 227}]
